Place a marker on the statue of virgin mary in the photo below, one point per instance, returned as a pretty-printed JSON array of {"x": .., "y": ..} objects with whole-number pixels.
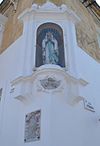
[{"x": 50, "y": 49}]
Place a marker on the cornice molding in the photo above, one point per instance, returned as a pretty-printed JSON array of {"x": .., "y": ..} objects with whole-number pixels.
[
  {"x": 6, "y": 4},
  {"x": 48, "y": 8},
  {"x": 56, "y": 80}
]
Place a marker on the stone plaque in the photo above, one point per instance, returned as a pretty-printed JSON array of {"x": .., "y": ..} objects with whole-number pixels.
[{"x": 32, "y": 126}]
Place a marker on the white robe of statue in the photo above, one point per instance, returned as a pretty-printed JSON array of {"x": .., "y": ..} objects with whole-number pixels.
[{"x": 50, "y": 49}]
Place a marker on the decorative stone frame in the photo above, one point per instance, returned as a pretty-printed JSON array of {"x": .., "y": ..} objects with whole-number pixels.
[
  {"x": 32, "y": 126},
  {"x": 35, "y": 16},
  {"x": 49, "y": 79}
]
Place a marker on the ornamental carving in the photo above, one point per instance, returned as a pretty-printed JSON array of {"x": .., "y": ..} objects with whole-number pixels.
[{"x": 50, "y": 83}]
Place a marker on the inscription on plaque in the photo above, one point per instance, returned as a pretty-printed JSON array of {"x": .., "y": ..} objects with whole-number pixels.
[{"x": 32, "y": 126}]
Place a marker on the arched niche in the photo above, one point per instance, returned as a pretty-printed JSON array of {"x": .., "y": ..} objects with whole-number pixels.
[{"x": 50, "y": 45}]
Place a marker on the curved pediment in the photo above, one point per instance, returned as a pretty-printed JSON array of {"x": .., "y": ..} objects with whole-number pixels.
[
  {"x": 49, "y": 6},
  {"x": 57, "y": 2}
]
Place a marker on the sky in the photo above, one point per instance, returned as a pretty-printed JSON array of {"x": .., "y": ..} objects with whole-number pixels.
[
  {"x": 1, "y": 1},
  {"x": 98, "y": 1}
]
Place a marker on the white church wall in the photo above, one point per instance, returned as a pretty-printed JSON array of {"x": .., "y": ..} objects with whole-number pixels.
[
  {"x": 44, "y": 104},
  {"x": 61, "y": 122},
  {"x": 11, "y": 61},
  {"x": 89, "y": 70},
  {"x": 82, "y": 126},
  {"x": 71, "y": 119},
  {"x": 10, "y": 122},
  {"x": 11, "y": 66}
]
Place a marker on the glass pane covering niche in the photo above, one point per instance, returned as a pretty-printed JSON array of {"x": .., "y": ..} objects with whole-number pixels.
[
  {"x": 32, "y": 126},
  {"x": 50, "y": 45}
]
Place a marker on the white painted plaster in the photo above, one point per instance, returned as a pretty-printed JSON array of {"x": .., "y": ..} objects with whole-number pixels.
[{"x": 62, "y": 123}]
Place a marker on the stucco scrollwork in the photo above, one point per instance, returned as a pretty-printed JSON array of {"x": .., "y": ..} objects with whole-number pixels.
[{"x": 50, "y": 83}]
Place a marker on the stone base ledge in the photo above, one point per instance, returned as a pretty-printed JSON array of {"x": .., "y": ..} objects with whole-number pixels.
[{"x": 47, "y": 79}]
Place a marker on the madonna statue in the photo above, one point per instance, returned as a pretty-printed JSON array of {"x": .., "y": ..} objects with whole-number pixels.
[
  {"x": 50, "y": 45},
  {"x": 50, "y": 51}
]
